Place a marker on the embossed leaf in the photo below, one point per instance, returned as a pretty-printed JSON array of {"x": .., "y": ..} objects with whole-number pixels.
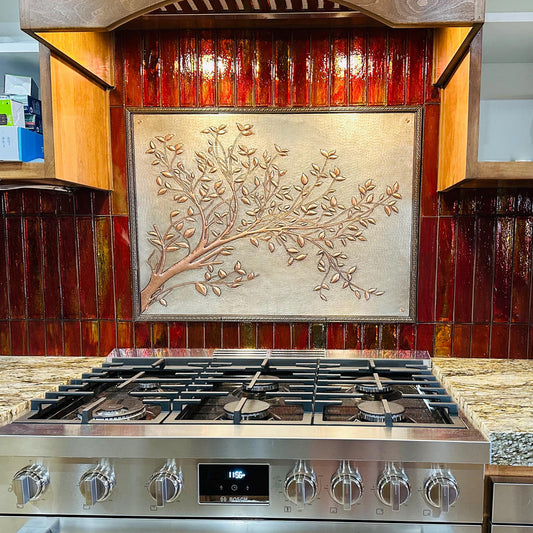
[
  {"x": 189, "y": 233},
  {"x": 201, "y": 288}
]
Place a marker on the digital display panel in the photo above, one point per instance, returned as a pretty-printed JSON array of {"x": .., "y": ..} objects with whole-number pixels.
[{"x": 233, "y": 483}]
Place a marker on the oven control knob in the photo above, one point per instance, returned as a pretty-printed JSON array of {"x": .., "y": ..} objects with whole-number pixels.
[
  {"x": 301, "y": 485},
  {"x": 30, "y": 482},
  {"x": 165, "y": 485},
  {"x": 346, "y": 485},
  {"x": 97, "y": 484},
  {"x": 394, "y": 489},
  {"x": 441, "y": 491}
]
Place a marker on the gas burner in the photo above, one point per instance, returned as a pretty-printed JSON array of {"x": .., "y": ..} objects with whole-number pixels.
[
  {"x": 265, "y": 383},
  {"x": 375, "y": 411},
  {"x": 149, "y": 385},
  {"x": 119, "y": 408},
  {"x": 251, "y": 410},
  {"x": 369, "y": 385}
]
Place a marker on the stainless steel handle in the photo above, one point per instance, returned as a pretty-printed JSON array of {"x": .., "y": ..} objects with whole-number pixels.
[
  {"x": 21, "y": 488},
  {"x": 30, "y": 482}
]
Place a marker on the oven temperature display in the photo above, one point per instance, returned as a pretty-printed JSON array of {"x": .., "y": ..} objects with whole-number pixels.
[{"x": 233, "y": 484}]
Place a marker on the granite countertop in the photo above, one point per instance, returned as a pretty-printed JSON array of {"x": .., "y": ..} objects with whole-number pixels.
[
  {"x": 25, "y": 378},
  {"x": 496, "y": 394}
]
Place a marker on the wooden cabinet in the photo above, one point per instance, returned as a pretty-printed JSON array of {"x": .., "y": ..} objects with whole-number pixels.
[{"x": 486, "y": 126}]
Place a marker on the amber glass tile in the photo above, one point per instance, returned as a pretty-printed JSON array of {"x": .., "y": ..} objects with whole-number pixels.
[
  {"x": 230, "y": 335},
  {"x": 518, "y": 339},
  {"x": 15, "y": 258},
  {"x": 396, "y": 65},
  {"x": 188, "y": 67},
  {"x": 406, "y": 336},
  {"x": 335, "y": 336},
  {"x": 265, "y": 335},
  {"x": 159, "y": 335},
  {"x": 282, "y": 85},
  {"x": 169, "y": 51},
  {"x": 389, "y": 337},
  {"x": 19, "y": 337},
  {"x": 354, "y": 336},
  {"x": 244, "y": 63},
  {"x": 480, "y": 340},
  {"x": 424, "y": 337},
  {"x": 247, "y": 335},
  {"x": 54, "y": 338},
  {"x": 358, "y": 66},
  {"x": 213, "y": 334},
  {"x": 429, "y": 199},
  {"x": 90, "y": 338},
  {"x": 339, "y": 68},
  {"x": 282, "y": 336},
  {"x": 151, "y": 69},
  {"x": 125, "y": 334},
  {"x": 4, "y": 309},
  {"x": 226, "y": 68},
  {"x": 464, "y": 273},
  {"x": 443, "y": 340},
  {"x": 86, "y": 267},
  {"x": 121, "y": 252},
  {"x": 5, "y": 338},
  {"x": 318, "y": 336},
  {"x": 36, "y": 337},
  {"x": 206, "y": 68},
  {"x": 377, "y": 66},
  {"x": 483, "y": 270},
  {"x": 503, "y": 269},
  {"x": 462, "y": 340},
  {"x": 33, "y": 268},
  {"x": 104, "y": 260},
  {"x": 446, "y": 269},
  {"x": 195, "y": 335},
  {"x": 320, "y": 56},
  {"x": 119, "y": 195},
  {"x": 143, "y": 337},
  {"x": 416, "y": 66},
  {"x": 263, "y": 68},
  {"x": 116, "y": 95},
  {"x": 427, "y": 256},
  {"x": 301, "y": 74},
  {"x": 132, "y": 46},
  {"x": 177, "y": 335},
  {"x": 499, "y": 341},
  {"x": 72, "y": 333},
  {"x": 108, "y": 339},
  {"x": 522, "y": 258},
  {"x": 371, "y": 337},
  {"x": 300, "y": 335}
]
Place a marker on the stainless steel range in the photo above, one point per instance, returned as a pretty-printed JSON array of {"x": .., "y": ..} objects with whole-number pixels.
[{"x": 241, "y": 441}]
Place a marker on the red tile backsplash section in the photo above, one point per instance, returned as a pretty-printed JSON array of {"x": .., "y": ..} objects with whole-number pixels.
[{"x": 65, "y": 273}]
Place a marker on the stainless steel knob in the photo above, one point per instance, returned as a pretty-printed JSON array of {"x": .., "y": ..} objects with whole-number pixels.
[
  {"x": 165, "y": 485},
  {"x": 393, "y": 487},
  {"x": 441, "y": 490},
  {"x": 346, "y": 485},
  {"x": 97, "y": 484},
  {"x": 30, "y": 482},
  {"x": 301, "y": 485}
]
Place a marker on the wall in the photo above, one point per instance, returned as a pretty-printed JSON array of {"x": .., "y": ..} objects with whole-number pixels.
[{"x": 65, "y": 282}]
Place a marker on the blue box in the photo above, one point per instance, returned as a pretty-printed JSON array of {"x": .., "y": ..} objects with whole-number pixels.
[{"x": 20, "y": 144}]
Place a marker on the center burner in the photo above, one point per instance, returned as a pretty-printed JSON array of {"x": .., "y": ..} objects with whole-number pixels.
[
  {"x": 247, "y": 409},
  {"x": 264, "y": 383},
  {"x": 119, "y": 408},
  {"x": 376, "y": 412}
]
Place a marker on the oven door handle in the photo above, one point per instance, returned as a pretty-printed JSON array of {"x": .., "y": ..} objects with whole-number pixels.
[{"x": 40, "y": 525}]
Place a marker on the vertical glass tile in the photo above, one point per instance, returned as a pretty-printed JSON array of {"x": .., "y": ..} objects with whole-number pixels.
[
  {"x": 159, "y": 335},
  {"x": 30, "y": 202},
  {"x": 86, "y": 266},
  {"x": 335, "y": 336},
  {"x": 396, "y": 64},
  {"x": 89, "y": 338},
  {"x": 19, "y": 337},
  {"x": 36, "y": 338},
  {"x": 119, "y": 195},
  {"x": 483, "y": 270},
  {"x": 432, "y": 93},
  {"x": 188, "y": 67},
  {"x": 206, "y": 68},
  {"x": 247, "y": 334},
  {"x": 429, "y": 198},
  {"x": 230, "y": 335},
  {"x": 72, "y": 332},
  {"x": 47, "y": 202},
  {"x": 522, "y": 259},
  {"x": 122, "y": 266},
  {"x": 151, "y": 69},
  {"x": 416, "y": 66},
  {"x": 104, "y": 264},
  {"x": 371, "y": 337},
  {"x": 503, "y": 269},
  {"x": 427, "y": 257},
  {"x": 244, "y": 62},
  {"x": 480, "y": 340},
  {"x": 318, "y": 336},
  {"x": 282, "y": 71},
  {"x": 33, "y": 268},
  {"x": 424, "y": 338},
  {"x": 226, "y": 68},
  {"x": 406, "y": 337},
  {"x": 132, "y": 68},
  {"x": 125, "y": 335},
  {"x": 116, "y": 95},
  {"x": 263, "y": 68},
  {"x": 446, "y": 269},
  {"x": 499, "y": 341},
  {"x": 101, "y": 202},
  {"x": 464, "y": 272},
  {"x": 4, "y": 309},
  {"x": 54, "y": 337},
  {"x": 518, "y": 339},
  {"x": 301, "y": 64},
  {"x": 143, "y": 337},
  {"x": 107, "y": 337},
  {"x": 461, "y": 340},
  {"x": 213, "y": 334},
  {"x": 358, "y": 66},
  {"x": 195, "y": 335},
  {"x": 320, "y": 55},
  {"x": 443, "y": 340},
  {"x": 15, "y": 257},
  {"x": 354, "y": 337},
  {"x": 177, "y": 332},
  {"x": 68, "y": 269},
  {"x": 169, "y": 61},
  {"x": 83, "y": 202},
  {"x": 13, "y": 202},
  {"x": 5, "y": 338},
  {"x": 340, "y": 75},
  {"x": 377, "y": 62},
  {"x": 265, "y": 335},
  {"x": 300, "y": 336},
  {"x": 282, "y": 336},
  {"x": 389, "y": 337}
]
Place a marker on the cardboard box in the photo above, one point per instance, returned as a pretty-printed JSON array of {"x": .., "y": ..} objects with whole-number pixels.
[
  {"x": 19, "y": 144},
  {"x": 34, "y": 123},
  {"x": 11, "y": 113},
  {"x": 20, "y": 85},
  {"x": 32, "y": 106}
]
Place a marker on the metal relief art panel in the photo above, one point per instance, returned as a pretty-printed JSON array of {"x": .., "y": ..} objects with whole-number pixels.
[{"x": 296, "y": 215}]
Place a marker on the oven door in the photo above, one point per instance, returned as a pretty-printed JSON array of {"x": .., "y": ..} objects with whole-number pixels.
[{"x": 21, "y": 524}]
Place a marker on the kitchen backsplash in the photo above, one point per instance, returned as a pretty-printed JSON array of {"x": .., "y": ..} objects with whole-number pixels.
[{"x": 65, "y": 279}]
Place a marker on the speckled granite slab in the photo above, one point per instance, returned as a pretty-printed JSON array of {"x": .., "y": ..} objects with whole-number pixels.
[
  {"x": 496, "y": 394},
  {"x": 25, "y": 378}
]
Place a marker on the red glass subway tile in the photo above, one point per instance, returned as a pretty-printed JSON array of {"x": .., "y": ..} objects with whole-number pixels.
[
  {"x": 300, "y": 336},
  {"x": 33, "y": 268},
  {"x": 503, "y": 270},
  {"x": 282, "y": 70},
  {"x": 499, "y": 341},
  {"x": 377, "y": 66},
  {"x": 86, "y": 267},
  {"x": 65, "y": 203},
  {"x": 225, "y": 68},
  {"x": 177, "y": 335},
  {"x": 446, "y": 269},
  {"x": 72, "y": 332},
  {"x": 263, "y": 68},
  {"x": 429, "y": 199},
  {"x": 13, "y": 202},
  {"x": 416, "y": 66},
  {"x": 89, "y": 338},
  {"x": 54, "y": 338},
  {"x": 131, "y": 43},
  {"x": 318, "y": 336},
  {"x": 354, "y": 337},
  {"x": 83, "y": 202},
  {"x": 30, "y": 202},
  {"x": 188, "y": 67},
  {"x": 265, "y": 335},
  {"x": 370, "y": 337},
  {"x": 480, "y": 340},
  {"x": 522, "y": 258},
  {"x": 406, "y": 337},
  {"x": 248, "y": 335},
  {"x": 427, "y": 256},
  {"x": 432, "y": 93},
  {"x": 52, "y": 288},
  {"x": 518, "y": 339},
  {"x": 320, "y": 68},
  {"x": 125, "y": 335},
  {"x": 485, "y": 202},
  {"x": 483, "y": 269},
  {"x": 358, "y": 66},
  {"x": 505, "y": 202},
  {"x": 300, "y": 71},
  {"x": 4, "y": 308},
  {"x": 335, "y": 336},
  {"x": 282, "y": 336},
  {"x": 462, "y": 340},
  {"x": 340, "y": 74},
  {"x": 524, "y": 202},
  {"x": 424, "y": 338},
  {"x": 449, "y": 202},
  {"x": 464, "y": 271},
  {"x": 244, "y": 67},
  {"x": 5, "y": 338},
  {"x": 206, "y": 68},
  {"x": 230, "y": 335},
  {"x": 213, "y": 334},
  {"x": 107, "y": 337},
  {"x": 122, "y": 265},
  {"x": 119, "y": 195},
  {"x": 443, "y": 340},
  {"x": 101, "y": 202},
  {"x": 389, "y": 337},
  {"x": 19, "y": 337},
  {"x": 104, "y": 263},
  {"x": 467, "y": 202},
  {"x": 195, "y": 335},
  {"x": 47, "y": 202},
  {"x": 116, "y": 95},
  {"x": 396, "y": 64},
  {"x": 530, "y": 351},
  {"x": 159, "y": 335},
  {"x": 142, "y": 335},
  {"x": 169, "y": 53},
  {"x": 36, "y": 337},
  {"x": 15, "y": 258},
  {"x": 151, "y": 69}
]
